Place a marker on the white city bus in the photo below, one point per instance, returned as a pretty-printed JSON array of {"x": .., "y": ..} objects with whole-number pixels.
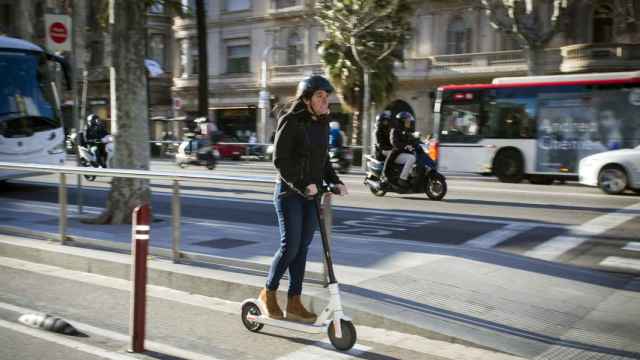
[
  {"x": 535, "y": 127},
  {"x": 31, "y": 129}
]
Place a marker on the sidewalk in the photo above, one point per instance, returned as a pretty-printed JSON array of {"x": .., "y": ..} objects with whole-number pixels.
[{"x": 526, "y": 307}]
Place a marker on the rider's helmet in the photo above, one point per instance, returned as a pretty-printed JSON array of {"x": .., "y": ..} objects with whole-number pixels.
[
  {"x": 384, "y": 118},
  {"x": 92, "y": 120},
  {"x": 406, "y": 120},
  {"x": 308, "y": 86},
  {"x": 334, "y": 125}
]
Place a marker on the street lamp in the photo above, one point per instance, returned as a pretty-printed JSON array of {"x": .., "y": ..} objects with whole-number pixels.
[{"x": 264, "y": 98}]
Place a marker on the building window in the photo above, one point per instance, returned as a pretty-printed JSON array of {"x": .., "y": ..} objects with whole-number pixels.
[
  {"x": 237, "y": 5},
  {"x": 189, "y": 7},
  {"x": 156, "y": 49},
  {"x": 157, "y": 9},
  {"x": 603, "y": 24},
  {"x": 294, "y": 49},
  {"x": 238, "y": 58},
  {"x": 184, "y": 46},
  {"x": 280, "y": 4},
  {"x": 195, "y": 58},
  {"x": 458, "y": 37}
]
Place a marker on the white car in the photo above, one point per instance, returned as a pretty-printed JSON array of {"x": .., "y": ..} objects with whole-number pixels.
[{"x": 612, "y": 171}]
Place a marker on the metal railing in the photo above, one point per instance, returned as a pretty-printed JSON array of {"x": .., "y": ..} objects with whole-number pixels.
[{"x": 175, "y": 177}]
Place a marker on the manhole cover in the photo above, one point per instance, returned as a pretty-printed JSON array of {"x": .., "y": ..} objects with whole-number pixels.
[{"x": 225, "y": 243}]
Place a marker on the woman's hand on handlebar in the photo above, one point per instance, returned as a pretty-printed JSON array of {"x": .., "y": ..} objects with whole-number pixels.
[{"x": 342, "y": 190}]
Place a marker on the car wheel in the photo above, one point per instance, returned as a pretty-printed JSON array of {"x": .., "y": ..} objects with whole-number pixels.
[{"x": 612, "y": 179}]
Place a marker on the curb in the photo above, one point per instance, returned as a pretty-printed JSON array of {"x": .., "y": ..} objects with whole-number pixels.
[{"x": 211, "y": 280}]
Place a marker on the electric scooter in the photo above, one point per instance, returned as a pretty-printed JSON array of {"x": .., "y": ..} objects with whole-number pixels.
[{"x": 340, "y": 328}]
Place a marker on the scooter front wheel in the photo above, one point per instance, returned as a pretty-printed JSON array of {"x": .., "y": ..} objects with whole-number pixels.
[
  {"x": 251, "y": 308},
  {"x": 348, "y": 338}
]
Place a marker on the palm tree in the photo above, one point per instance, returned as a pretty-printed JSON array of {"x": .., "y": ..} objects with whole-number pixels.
[{"x": 363, "y": 37}]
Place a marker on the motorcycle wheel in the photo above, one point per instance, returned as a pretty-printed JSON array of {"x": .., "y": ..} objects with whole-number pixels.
[
  {"x": 377, "y": 192},
  {"x": 84, "y": 163},
  {"x": 182, "y": 165},
  {"x": 211, "y": 165},
  {"x": 436, "y": 186}
]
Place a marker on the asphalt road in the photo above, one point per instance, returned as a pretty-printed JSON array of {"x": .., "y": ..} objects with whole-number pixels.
[{"x": 561, "y": 222}]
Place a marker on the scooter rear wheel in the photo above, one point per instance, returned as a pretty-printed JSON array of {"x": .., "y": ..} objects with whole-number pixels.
[
  {"x": 253, "y": 309},
  {"x": 348, "y": 338}
]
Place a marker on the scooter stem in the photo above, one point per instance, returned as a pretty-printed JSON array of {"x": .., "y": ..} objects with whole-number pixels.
[{"x": 325, "y": 243}]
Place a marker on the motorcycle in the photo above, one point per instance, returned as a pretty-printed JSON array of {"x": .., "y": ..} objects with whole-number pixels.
[
  {"x": 88, "y": 153},
  {"x": 423, "y": 178},
  {"x": 341, "y": 159},
  {"x": 197, "y": 152}
]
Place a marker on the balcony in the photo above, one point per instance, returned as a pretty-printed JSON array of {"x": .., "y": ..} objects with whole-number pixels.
[
  {"x": 290, "y": 75},
  {"x": 600, "y": 57},
  {"x": 477, "y": 64}
]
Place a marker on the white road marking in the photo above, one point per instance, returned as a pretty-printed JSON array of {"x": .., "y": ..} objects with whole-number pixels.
[
  {"x": 429, "y": 346},
  {"x": 621, "y": 262},
  {"x": 323, "y": 350},
  {"x": 86, "y": 328},
  {"x": 495, "y": 237},
  {"x": 579, "y": 234},
  {"x": 64, "y": 341},
  {"x": 379, "y": 336},
  {"x": 632, "y": 246}
]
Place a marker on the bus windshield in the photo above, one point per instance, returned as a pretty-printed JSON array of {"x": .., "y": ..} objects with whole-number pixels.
[{"x": 26, "y": 94}]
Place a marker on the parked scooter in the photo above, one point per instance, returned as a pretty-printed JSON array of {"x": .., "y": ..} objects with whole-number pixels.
[
  {"x": 88, "y": 152},
  {"x": 341, "y": 159},
  {"x": 197, "y": 152},
  {"x": 423, "y": 178}
]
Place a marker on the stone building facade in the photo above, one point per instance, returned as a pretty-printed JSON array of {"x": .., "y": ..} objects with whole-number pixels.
[{"x": 453, "y": 42}]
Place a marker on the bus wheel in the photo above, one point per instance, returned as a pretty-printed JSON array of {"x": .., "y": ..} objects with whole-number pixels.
[{"x": 509, "y": 166}]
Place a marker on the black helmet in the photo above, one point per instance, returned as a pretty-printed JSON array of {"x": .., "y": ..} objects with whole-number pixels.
[
  {"x": 383, "y": 116},
  {"x": 308, "y": 86},
  {"x": 406, "y": 119},
  {"x": 92, "y": 119}
]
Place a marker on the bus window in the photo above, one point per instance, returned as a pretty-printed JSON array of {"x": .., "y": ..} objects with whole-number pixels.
[
  {"x": 460, "y": 119},
  {"x": 510, "y": 114}
]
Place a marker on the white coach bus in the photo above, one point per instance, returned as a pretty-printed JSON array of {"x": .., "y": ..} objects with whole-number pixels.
[{"x": 31, "y": 129}]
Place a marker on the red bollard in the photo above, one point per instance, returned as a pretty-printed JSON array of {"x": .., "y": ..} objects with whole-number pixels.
[{"x": 140, "y": 230}]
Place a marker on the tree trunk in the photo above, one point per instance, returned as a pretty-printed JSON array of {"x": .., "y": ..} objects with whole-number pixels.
[
  {"x": 535, "y": 60},
  {"x": 129, "y": 116}
]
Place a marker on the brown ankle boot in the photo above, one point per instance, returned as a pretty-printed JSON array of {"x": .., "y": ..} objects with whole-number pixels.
[
  {"x": 270, "y": 301},
  {"x": 297, "y": 312}
]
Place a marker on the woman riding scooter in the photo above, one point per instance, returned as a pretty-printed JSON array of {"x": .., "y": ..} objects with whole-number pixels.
[{"x": 302, "y": 161}]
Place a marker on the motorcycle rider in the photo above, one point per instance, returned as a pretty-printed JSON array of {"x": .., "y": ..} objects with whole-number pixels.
[
  {"x": 383, "y": 139},
  {"x": 403, "y": 142},
  {"x": 94, "y": 134}
]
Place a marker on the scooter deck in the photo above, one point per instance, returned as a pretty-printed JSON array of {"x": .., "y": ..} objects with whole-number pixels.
[{"x": 289, "y": 324}]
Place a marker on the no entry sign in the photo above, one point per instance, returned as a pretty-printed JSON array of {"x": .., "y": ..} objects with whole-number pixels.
[{"x": 58, "y": 32}]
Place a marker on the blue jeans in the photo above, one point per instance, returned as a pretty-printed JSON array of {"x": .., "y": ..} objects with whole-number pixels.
[{"x": 297, "y": 221}]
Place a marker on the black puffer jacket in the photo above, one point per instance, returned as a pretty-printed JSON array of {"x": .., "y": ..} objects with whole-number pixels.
[{"x": 300, "y": 153}]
